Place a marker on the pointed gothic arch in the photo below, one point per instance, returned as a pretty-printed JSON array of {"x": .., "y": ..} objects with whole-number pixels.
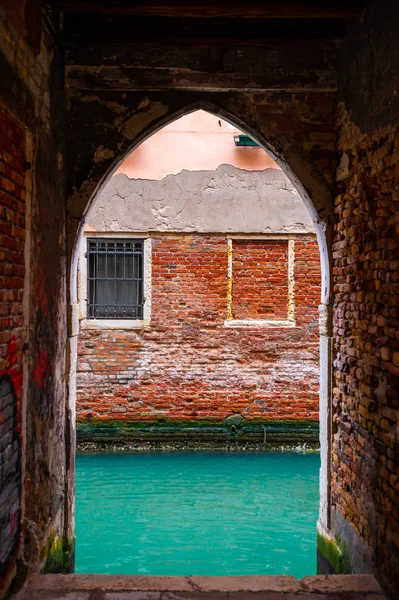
[{"x": 139, "y": 124}]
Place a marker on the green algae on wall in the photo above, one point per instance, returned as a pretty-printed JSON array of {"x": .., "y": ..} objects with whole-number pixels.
[
  {"x": 332, "y": 556},
  {"x": 59, "y": 555},
  {"x": 232, "y": 428}
]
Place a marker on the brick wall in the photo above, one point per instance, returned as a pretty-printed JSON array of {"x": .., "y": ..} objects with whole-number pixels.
[
  {"x": 366, "y": 324},
  {"x": 32, "y": 92},
  {"x": 12, "y": 270},
  {"x": 307, "y": 119},
  {"x": 188, "y": 365},
  {"x": 260, "y": 279}
]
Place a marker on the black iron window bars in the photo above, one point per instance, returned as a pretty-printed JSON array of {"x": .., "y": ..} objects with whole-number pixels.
[{"x": 115, "y": 278}]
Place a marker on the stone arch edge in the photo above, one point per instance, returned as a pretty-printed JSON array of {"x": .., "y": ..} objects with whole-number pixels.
[
  {"x": 237, "y": 110},
  {"x": 315, "y": 193}
]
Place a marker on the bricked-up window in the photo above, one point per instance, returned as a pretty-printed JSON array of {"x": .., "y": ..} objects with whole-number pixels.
[
  {"x": 115, "y": 278},
  {"x": 260, "y": 279}
]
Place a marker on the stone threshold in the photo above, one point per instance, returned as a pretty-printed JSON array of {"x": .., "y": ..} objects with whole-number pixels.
[{"x": 270, "y": 587}]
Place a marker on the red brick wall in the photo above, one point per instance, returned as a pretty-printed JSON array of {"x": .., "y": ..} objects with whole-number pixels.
[
  {"x": 307, "y": 280},
  {"x": 260, "y": 279},
  {"x": 366, "y": 324},
  {"x": 12, "y": 236},
  {"x": 12, "y": 270},
  {"x": 189, "y": 277},
  {"x": 188, "y": 364}
]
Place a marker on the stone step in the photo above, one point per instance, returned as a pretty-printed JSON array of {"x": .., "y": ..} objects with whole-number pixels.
[{"x": 127, "y": 587}]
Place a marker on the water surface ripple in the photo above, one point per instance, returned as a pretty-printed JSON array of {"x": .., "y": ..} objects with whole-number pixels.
[{"x": 197, "y": 513}]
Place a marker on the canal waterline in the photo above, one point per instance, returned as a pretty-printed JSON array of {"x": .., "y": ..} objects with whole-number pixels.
[{"x": 197, "y": 513}]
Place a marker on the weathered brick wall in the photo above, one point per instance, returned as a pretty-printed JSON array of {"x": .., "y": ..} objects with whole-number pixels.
[
  {"x": 366, "y": 324},
  {"x": 260, "y": 279},
  {"x": 32, "y": 94},
  {"x": 365, "y": 517},
  {"x": 12, "y": 271},
  {"x": 188, "y": 365},
  {"x": 307, "y": 279},
  {"x": 307, "y": 120}
]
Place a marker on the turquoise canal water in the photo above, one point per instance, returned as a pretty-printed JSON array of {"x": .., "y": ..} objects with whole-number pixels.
[{"x": 197, "y": 513}]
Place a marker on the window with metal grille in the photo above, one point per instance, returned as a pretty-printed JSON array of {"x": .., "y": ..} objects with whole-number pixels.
[{"x": 115, "y": 278}]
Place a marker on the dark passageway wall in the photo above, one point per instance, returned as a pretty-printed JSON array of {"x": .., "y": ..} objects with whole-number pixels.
[
  {"x": 32, "y": 317},
  {"x": 366, "y": 295},
  {"x": 290, "y": 109},
  {"x": 12, "y": 270}
]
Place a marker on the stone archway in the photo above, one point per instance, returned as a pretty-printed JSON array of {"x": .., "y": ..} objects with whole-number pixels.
[
  {"x": 103, "y": 156},
  {"x": 100, "y": 160}
]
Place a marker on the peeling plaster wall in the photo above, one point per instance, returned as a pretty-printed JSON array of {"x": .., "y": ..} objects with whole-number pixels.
[
  {"x": 32, "y": 95},
  {"x": 298, "y": 129},
  {"x": 226, "y": 200}
]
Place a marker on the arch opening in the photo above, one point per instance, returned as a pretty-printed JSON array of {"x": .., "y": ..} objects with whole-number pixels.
[
  {"x": 314, "y": 193},
  {"x": 322, "y": 232}
]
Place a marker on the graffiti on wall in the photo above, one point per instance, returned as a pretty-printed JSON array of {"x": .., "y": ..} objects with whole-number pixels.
[
  {"x": 10, "y": 473},
  {"x": 12, "y": 225},
  {"x": 41, "y": 370}
]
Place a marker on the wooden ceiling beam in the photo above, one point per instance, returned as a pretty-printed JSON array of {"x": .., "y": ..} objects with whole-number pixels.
[
  {"x": 258, "y": 9},
  {"x": 201, "y": 68},
  {"x": 141, "y": 41},
  {"x": 131, "y": 79},
  {"x": 88, "y": 30}
]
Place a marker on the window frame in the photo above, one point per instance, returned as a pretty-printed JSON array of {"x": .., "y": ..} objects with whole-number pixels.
[
  {"x": 110, "y": 323},
  {"x": 290, "y": 320}
]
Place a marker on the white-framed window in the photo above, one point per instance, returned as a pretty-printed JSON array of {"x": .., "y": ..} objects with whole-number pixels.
[
  {"x": 284, "y": 296},
  {"x": 115, "y": 281}
]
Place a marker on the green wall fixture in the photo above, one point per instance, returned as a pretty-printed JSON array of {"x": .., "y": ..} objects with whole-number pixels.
[{"x": 245, "y": 140}]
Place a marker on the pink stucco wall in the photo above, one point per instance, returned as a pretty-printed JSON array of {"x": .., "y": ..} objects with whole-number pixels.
[{"x": 198, "y": 141}]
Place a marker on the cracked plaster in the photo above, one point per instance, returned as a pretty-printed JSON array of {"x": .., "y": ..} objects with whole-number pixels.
[{"x": 227, "y": 199}]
